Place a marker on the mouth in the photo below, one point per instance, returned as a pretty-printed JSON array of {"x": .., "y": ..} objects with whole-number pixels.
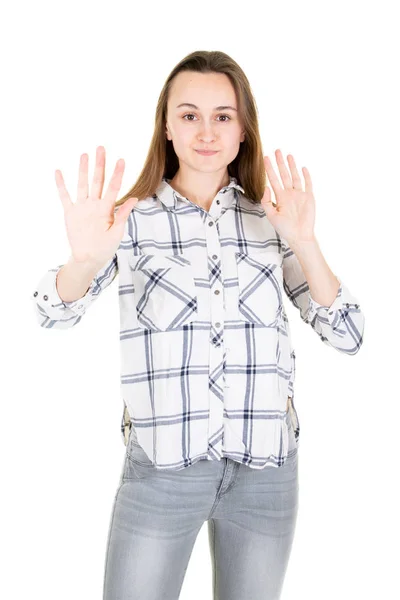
[{"x": 207, "y": 152}]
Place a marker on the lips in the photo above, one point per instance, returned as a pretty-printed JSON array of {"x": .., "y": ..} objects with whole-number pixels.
[{"x": 207, "y": 152}]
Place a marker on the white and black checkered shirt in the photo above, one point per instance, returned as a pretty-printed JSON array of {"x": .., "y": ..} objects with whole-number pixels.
[{"x": 207, "y": 365}]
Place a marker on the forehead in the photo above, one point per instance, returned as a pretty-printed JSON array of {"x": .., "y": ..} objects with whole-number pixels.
[{"x": 202, "y": 89}]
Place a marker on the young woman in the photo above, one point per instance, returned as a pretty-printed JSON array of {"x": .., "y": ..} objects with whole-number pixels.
[{"x": 208, "y": 368}]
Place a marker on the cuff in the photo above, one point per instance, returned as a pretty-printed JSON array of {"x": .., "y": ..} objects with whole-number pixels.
[
  {"x": 48, "y": 299},
  {"x": 344, "y": 300}
]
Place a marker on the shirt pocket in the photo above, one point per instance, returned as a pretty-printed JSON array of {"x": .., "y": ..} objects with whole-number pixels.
[
  {"x": 260, "y": 281},
  {"x": 164, "y": 291}
]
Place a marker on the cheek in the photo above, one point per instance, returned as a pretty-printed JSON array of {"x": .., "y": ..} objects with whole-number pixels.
[
  {"x": 182, "y": 135},
  {"x": 234, "y": 134},
  {"x": 231, "y": 141}
]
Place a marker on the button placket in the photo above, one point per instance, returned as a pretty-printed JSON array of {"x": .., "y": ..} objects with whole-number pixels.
[
  {"x": 216, "y": 404},
  {"x": 216, "y": 301}
]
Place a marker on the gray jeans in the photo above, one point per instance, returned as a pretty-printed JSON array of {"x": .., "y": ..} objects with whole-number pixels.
[{"x": 157, "y": 514}]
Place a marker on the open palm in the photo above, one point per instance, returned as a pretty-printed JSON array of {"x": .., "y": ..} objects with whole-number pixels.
[
  {"x": 94, "y": 226},
  {"x": 293, "y": 214}
]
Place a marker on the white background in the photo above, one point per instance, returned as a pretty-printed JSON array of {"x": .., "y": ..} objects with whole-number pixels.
[{"x": 79, "y": 75}]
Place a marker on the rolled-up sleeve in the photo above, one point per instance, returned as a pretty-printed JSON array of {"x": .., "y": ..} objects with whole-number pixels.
[
  {"x": 52, "y": 312},
  {"x": 341, "y": 324}
]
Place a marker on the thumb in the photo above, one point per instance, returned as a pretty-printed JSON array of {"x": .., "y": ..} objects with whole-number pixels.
[
  {"x": 123, "y": 212},
  {"x": 266, "y": 202}
]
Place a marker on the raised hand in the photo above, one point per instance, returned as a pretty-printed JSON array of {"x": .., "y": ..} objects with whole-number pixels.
[
  {"x": 94, "y": 228},
  {"x": 293, "y": 215}
]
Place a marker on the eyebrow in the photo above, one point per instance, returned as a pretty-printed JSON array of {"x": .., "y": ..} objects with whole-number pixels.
[{"x": 197, "y": 108}]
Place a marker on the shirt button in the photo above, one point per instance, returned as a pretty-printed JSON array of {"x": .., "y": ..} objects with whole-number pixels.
[
  {"x": 216, "y": 292},
  {"x": 217, "y": 324},
  {"x": 218, "y": 201},
  {"x": 45, "y": 297},
  {"x": 210, "y": 223},
  {"x": 347, "y": 304},
  {"x": 35, "y": 294},
  {"x": 357, "y": 305},
  {"x": 80, "y": 306},
  {"x": 214, "y": 257}
]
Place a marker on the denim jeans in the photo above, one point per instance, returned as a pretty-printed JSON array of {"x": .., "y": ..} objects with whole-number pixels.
[{"x": 157, "y": 514}]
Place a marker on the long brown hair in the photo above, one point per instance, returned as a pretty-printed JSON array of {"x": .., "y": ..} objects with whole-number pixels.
[{"x": 162, "y": 161}]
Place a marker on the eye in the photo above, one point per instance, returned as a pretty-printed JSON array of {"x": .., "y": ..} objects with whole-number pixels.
[{"x": 192, "y": 115}]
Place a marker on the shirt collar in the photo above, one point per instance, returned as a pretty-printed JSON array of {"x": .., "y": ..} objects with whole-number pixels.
[{"x": 171, "y": 198}]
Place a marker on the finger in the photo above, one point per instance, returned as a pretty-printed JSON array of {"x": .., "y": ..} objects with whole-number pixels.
[
  {"x": 98, "y": 177},
  {"x": 297, "y": 184},
  {"x": 266, "y": 201},
  {"x": 124, "y": 211},
  {"x": 307, "y": 179},
  {"x": 83, "y": 190},
  {"x": 286, "y": 178},
  {"x": 273, "y": 179},
  {"x": 62, "y": 190},
  {"x": 115, "y": 182}
]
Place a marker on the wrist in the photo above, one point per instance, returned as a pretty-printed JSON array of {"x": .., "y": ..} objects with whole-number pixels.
[
  {"x": 303, "y": 242},
  {"x": 86, "y": 267}
]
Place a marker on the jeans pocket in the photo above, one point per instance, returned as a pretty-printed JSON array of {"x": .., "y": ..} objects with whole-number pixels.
[{"x": 137, "y": 463}]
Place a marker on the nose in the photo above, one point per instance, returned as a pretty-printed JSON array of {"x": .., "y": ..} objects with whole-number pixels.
[{"x": 207, "y": 133}]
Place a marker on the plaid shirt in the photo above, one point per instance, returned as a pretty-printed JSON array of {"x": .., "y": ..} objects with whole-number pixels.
[{"x": 207, "y": 364}]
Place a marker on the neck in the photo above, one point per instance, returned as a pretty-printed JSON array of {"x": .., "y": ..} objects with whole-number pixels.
[{"x": 200, "y": 192}]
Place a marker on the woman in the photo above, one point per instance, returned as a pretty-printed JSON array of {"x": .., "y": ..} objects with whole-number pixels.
[{"x": 207, "y": 373}]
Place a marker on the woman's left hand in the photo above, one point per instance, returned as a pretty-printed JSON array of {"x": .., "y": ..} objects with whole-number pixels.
[{"x": 293, "y": 216}]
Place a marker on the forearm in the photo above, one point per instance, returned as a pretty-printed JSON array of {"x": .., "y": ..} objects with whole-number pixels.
[
  {"x": 73, "y": 279},
  {"x": 323, "y": 284}
]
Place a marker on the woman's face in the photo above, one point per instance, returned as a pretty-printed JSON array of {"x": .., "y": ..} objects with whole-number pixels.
[{"x": 204, "y": 127}]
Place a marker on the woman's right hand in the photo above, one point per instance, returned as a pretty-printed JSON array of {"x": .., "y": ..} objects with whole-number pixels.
[{"x": 94, "y": 231}]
